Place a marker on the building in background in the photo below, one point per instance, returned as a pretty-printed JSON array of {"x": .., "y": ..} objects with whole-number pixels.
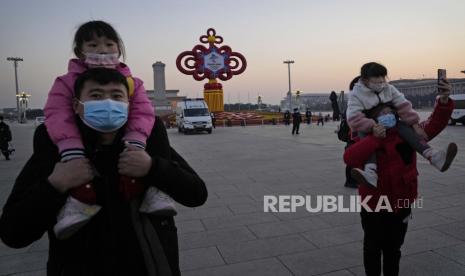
[
  {"x": 422, "y": 92},
  {"x": 163, "y": 100},
  {"x": 313, "y": 101}
]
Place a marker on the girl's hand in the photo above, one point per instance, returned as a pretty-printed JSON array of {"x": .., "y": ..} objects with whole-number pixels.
[
  {"x": 71, "y": 174},
  {"x": 379, "y": 131},
  {"x": 134, "y": 162},
  {"x": 444, "y": 87}
]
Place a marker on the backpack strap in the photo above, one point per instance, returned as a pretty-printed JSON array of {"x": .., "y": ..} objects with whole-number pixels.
[{"x": 130, "y": 82}]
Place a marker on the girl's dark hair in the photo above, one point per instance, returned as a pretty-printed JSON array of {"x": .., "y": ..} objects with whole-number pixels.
[
  {"x": 86, "y": 32},
  {"x": 372, "y": 69}
]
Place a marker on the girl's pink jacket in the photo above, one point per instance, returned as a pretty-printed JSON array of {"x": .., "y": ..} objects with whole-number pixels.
[{"x": 60, "y": 117}]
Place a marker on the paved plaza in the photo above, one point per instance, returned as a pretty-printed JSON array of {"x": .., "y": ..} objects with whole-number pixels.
[{"x": 231, "y": 235}]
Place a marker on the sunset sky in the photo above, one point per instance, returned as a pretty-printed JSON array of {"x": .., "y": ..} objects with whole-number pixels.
[{"x": 328, "y": 40}]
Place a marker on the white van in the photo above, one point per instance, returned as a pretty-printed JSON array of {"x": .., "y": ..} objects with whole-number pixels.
[
  {"x": 458, "y": 115},
  {"x": 193, "y": 115}
]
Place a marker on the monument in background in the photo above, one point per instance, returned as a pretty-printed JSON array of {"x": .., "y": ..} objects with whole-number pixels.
[{"x": 163, "y": 100}]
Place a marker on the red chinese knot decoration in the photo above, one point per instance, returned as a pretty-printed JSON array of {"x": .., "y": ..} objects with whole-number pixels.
[{"x": 211, "y": 63}]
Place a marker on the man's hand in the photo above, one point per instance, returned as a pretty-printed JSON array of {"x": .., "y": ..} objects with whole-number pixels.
[
  {"x": 419, "y": 130},
  {"x": 71, "y": 174},
  {"x": 379, "y": 131},
  {"x": 444, "y": 88},
  {"x": 134, "y": 162}
]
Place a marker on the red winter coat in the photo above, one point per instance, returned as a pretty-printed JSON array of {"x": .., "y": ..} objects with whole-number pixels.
[{"x": 397, "y": 179}]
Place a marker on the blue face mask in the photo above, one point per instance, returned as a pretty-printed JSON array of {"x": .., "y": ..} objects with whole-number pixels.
[
  {"x": 387, "y": 120},
  {"x": 105, "y": 115}
]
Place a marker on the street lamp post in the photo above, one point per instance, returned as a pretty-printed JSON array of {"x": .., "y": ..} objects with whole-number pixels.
[
  {"x": 15, "y": 63},
  {"x": 289, "y": 93},
  {"x": 297, "y": 99}
]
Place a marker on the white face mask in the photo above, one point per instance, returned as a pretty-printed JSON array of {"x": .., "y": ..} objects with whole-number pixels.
[
  {"x": 101, "y": 60},
  {"x": 377, "y": 87}
]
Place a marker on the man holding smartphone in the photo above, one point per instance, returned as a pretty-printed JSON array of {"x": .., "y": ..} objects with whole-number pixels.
[{"x": 384, "y": 231}]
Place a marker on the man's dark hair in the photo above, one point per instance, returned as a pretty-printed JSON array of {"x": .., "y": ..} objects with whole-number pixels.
[
  {"x": 373, "y": 112},
  {"x": 101, "y": 76},
  {"x": 1, "y": 118},
  {"x": 373, "y": 69}
]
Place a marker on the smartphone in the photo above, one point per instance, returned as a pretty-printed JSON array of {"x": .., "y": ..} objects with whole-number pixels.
[{"x": 441, "y": 76}]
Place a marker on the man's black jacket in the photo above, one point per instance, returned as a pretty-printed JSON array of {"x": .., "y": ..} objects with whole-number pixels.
[{"x": 107, "y": 245}]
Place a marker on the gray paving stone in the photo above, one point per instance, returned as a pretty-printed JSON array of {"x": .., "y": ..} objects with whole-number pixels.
[
  {"x": 422, "y": 264},
  {"x": 324, "y": 260},
  {"x": 426, "y": 239},
  {"x": 189, "y": 226},
  {"x": 5, "y": 250},
  {"x": 263, "y": 248},
  {"x": 214, "y": 237},
  {"x": 430, "y": 264},
  {"x": 427, "y": 219},
  {"x": 338, "y": 273},
  {"x": 238, "y": 220},
  {"x": 442, "y": 262},
  {"x": 245, "y": 208},
  {"x": 456, "y": 213},
  {"x": 199, "y": 258},
  {"x": 359, "y": 270},
  {"x": 271, "y": 229},
  {"x": 218, "y": 202},
  {"x": 430, "y": 204},
  {"x": 32, "y": 273},
  {"x": 222, "y": 186},
  {"x": 269, "y": 267},
  {"x": 298, "y": 214},
  {"x": 335, "y": 236},
  {"x": 456, "y": 229},
  {"x": 23, "y": 262},
  {"x": 40, "y": 245},
  {"x": 341, "y": 219},
  {"x": 453, "y": 200},
  {"x": 456, "y": 253},
  {"x": 203, "y": 212}
]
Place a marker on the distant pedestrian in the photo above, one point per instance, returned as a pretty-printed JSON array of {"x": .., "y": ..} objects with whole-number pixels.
[
  {"x": 296, "y": 120},
  {"x": 320, "y": 120},
  {"x": 5, "y": 137},
  {"x": 335, "y": 106},
  {"x": 213, "y": 119},
  {"x": 287, "y": 118},
  {"x": 308, "y": 116}
]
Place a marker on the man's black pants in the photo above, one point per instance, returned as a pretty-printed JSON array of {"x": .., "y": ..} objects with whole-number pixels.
[
  {"x": 384, "y": 236},
  {"x": 295, "y": 128},
  {"x": 4, "y": 149}
]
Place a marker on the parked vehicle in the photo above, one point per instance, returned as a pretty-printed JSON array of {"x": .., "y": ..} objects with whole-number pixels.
[
  {"x": 193, "y": 115},
  {"x": 458, "y": 115}
]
